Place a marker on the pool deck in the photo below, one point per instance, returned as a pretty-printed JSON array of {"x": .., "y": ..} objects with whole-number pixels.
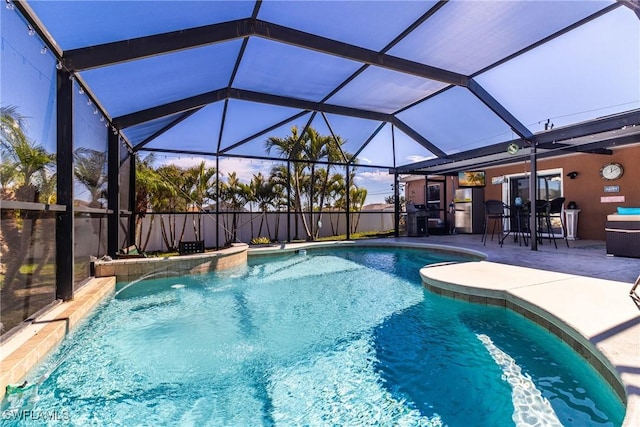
[{"x": 577, "y": 292}]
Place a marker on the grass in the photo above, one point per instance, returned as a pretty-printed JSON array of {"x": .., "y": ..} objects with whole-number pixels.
[{"x": 355, "y": 236}]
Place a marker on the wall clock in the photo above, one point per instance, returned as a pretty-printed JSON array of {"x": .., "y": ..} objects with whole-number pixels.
[{"x": 611, "y": 171}]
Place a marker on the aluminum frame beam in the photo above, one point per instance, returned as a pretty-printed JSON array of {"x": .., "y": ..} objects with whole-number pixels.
[
  {"x": 143, "y": 47},
  {"x": 201, "y": 100},
  {"x": 550, "y": 140},
  {"x": 521, "y": 130}
]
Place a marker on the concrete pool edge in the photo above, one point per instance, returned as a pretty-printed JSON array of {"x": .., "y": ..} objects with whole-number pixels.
[
  {"x": 278, "y": 249},
  {"x": 595, "y": 317},
  {"x": 32, "y": 344}
]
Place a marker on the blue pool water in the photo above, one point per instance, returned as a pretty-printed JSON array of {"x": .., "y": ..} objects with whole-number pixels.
[{"x": 328, "y": 338}]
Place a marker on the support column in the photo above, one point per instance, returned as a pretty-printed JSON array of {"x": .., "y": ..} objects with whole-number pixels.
[
  {"x": 113, "y": 194},
  {"x": 289, "y": 202},
  {"x": 348, "y": 182},
  {"x": 218, "y": 202},
  {"x": 533, "y": 195},
  {"x": 396, "y": 204},
  {"x": 64, "y": 156},
  {"x": 131, "y": 236}
]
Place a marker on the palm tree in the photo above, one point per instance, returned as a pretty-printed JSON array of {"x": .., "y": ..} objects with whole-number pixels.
[
  {"x": 147, "y": 186},
  {"x": 336, "y": 191},
  {"x": 278, "y": 179},
  {"x": 305, "y": 151},
  {"x": 318, "y": 148},
  {"x": 203, "y": 179},
  {"x": 25, "y": 164},
  {"x": 234, "y": 194},
  {"x": 90, "y": 169},
  {"x": 264, "y": 196},
  {"x": 171, "y": 196},
  {"x": 291, "y": 148},
  {"x": 357, "y": 197},
  {"x": 27, "y": 158}
]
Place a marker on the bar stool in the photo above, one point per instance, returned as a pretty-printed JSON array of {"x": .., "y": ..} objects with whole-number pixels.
[
  {"x": 555, "y": 210},
  {"x": 541, "y": 217},
  {"x": 493, "y": 210}
]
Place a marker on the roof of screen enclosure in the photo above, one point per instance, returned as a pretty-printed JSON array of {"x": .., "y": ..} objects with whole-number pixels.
[{"x": 457, "y": 81}]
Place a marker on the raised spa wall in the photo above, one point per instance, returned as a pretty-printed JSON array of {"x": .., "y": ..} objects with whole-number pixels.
[
  {"x": 135, "y": 268},
  {"x": 28, "y": 347}
]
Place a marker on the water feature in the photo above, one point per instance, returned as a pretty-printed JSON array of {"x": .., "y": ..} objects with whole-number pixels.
[{"x": 147, "y": 276}]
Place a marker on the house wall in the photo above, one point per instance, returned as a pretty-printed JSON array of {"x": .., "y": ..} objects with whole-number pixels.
[{"x": 587, "y": 189}]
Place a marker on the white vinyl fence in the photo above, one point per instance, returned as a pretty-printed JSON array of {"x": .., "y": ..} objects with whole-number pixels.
[{"x": 274, "y": 226}]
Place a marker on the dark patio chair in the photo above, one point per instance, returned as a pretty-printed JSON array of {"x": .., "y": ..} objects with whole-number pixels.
[
  {"x": 555, "y": 210},
  {"x": 493, "y": 210}
]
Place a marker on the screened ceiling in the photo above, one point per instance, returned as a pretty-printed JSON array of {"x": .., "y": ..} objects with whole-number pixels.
[{"x": 429, "y": 85}]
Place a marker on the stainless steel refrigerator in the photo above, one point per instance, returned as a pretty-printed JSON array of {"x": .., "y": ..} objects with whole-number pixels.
[{"x": 469, "y": 216}]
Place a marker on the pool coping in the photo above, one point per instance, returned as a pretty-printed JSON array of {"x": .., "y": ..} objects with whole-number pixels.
[
  {"x": 278, "y": 249},
  {"x": 33, "y": 343},
  {"x": 596, "y": 317}
]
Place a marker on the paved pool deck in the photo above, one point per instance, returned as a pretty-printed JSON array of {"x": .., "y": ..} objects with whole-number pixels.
[{"x": 577, "y": 292}]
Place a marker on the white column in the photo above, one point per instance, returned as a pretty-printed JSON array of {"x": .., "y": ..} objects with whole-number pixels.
[{"x": 571, "y": 222}]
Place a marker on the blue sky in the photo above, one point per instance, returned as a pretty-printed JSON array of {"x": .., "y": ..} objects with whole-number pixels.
[{"x": 590, "y": 72}]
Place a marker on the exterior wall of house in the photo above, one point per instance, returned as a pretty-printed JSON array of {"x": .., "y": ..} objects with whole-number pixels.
[{"x": 587, "y": 189}]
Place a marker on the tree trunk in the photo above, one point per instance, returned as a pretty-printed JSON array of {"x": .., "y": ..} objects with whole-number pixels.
[
  {"x": 298, "y": 202},
  {"x": 163, "y": 231},
  {"x": 146, "y": 240},
  {"x": 184, "y": 227}
]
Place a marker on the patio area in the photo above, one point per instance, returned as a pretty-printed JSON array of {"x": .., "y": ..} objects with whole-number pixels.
[{"x": 583, "y": 257}]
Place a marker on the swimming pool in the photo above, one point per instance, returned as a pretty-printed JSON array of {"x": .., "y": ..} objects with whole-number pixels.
[{"x": 344, "y": 337}]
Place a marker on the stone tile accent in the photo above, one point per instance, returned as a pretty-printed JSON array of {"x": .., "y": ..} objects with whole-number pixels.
[
  {"x": 134, "y": 268},
  {"x": 30, "y": 346}
]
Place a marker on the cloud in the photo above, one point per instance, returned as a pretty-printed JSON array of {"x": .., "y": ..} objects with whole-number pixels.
[
  {"x": 186, "y": 162},
  {"x": 377, "y": 176},
  {"x": 364, "y": 160},
  {"x": 244, "y": 168}
]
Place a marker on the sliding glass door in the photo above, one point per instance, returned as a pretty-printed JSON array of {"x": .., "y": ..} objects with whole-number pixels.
[{"x": 549, "y": 187}]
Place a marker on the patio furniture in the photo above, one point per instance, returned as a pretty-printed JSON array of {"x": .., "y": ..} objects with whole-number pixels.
[
  {"x": 623, "y": 235},
  {"x": 518, "y": 223},
  {"x": 191, "y": 247},
  {"x": 554, "y": 209},
  {"x": 493, "y": 210}
]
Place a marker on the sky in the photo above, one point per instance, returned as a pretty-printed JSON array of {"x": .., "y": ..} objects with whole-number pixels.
[{"x": 590, "y": 72}]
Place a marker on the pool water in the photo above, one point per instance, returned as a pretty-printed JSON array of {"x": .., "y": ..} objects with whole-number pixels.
[{"x": 327, "y": 338}]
